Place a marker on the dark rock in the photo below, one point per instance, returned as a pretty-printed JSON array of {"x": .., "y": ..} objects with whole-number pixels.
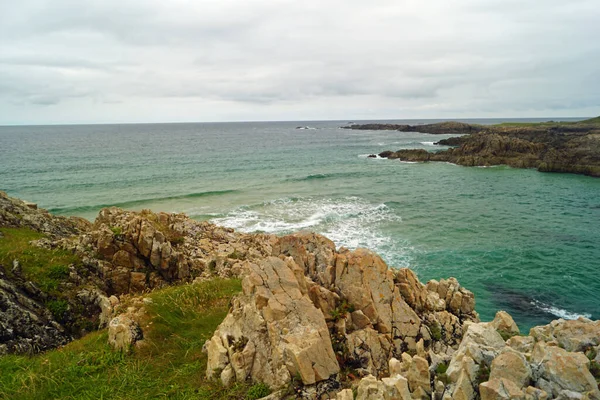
[
  {"x": 573, "y": 148},
  {"x": 372, "y": 156}
]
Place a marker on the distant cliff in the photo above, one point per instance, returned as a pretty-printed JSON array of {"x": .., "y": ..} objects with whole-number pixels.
[{"x": 548, "y": 147}]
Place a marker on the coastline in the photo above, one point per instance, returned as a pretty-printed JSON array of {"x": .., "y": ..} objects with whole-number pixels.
[
  {"x": 339, "y": 299},
  {"x": 571, "y": 147}
]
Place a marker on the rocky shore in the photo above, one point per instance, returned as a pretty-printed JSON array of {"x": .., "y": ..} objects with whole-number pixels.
[
  {"x": 548, "y": 147},
  {"x": 312, "y": 321}
]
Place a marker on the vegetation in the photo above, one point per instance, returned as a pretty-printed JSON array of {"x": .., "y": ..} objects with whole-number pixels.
[
  {"x": 47, "y": 269},
  {"x": 170, "y": 365},
  {"x": 506, "y": 334},
  {"x": 547, "y": 124},
  {"x": 440, "y": 372},
  {"x": 342, "y": 310}
]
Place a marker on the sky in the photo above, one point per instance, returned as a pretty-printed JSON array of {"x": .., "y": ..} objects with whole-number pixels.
[{"x": 109, "y": 61}]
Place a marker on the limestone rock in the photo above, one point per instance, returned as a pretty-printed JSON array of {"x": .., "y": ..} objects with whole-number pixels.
[
  {"x": 523, "y": 344},
  {"x": 557, "y": 370},
  {"x": 287, "y": 333},
  {"x": 511, "y": 365},
  {"x": 123, "y": 332},
  {"x": 572, "y": 335},
  {"x": 503, "y": 322},
  {"x": 393, "y": 388},
  {"x": 500, "y": 389},
  {"x": 345, "y": 394}
]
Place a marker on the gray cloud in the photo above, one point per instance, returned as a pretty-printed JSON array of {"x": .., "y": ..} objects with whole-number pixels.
[{"x": 149, "y": 60}]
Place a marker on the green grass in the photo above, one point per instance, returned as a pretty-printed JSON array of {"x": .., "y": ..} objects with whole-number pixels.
[
  {"x": 170, "y": 366},
  {"x": 46, "y": 268},
  {"x": 547, "y": 124}
]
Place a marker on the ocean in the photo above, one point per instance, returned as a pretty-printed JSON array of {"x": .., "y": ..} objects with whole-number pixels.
[{"x": 522, "y": 241}]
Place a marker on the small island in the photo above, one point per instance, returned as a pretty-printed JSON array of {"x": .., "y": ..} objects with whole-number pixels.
[{"x": 572, "y": 147}]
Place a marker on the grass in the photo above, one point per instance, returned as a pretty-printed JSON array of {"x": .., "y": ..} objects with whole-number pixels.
[
  {"x": 547, "y": 124},
  {"x": 170, "y": 366},
  {"x": 46, "y": 268}
]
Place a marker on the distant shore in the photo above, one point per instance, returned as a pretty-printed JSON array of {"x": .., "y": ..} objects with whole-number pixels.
[{"x": 572, "y": 147}]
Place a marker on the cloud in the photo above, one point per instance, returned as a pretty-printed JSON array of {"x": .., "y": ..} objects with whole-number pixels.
[{"x": 280, "y": 59}]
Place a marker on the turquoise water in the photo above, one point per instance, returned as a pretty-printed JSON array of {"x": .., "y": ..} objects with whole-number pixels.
[{"x": 523, "y": 241}]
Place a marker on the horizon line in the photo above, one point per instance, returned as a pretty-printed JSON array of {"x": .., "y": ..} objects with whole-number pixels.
[{"x": 555, "y": 119}]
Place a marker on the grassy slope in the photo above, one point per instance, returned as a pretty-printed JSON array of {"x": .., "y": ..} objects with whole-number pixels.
[
  {"x": 170, "y": 365},
  {"x": 549, "y": 123}
]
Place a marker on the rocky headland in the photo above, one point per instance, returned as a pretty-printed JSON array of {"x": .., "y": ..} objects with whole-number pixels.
[
  {"x": 312, "y": 321},
  {"x": 548, "y": 147}
]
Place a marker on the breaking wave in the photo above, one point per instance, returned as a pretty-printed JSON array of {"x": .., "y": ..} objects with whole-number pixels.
[{"x": 350, "y": 222}]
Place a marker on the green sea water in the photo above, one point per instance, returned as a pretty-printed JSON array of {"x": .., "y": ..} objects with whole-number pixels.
[{"x": 522, "y": 241}]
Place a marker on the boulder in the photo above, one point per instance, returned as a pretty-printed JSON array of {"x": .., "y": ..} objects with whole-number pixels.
[
  {"x": 572, "y": 335},
  {"x": 123, "y": 332},
  {"x": 500, "y": 389},
  {"x": 274, "y": 330},
  {"x": 556, "y": 370},
  {"x": 504, "y": 324},
  {"x": 511, "y": 365}
]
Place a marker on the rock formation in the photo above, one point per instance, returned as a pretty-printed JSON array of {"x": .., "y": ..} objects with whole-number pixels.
[
  {"x": 330, "y": 323},
  {"x": 548, "y": 147}
]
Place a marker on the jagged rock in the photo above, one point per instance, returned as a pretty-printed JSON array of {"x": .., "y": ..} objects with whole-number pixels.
[
  {"x": 504, "y": 323},
  {"x": 511, "y": 365},
  {"x": 18, "y": 213},
  {"x": 573, "y": 335},
  {"x": 533, "y": 393},
  {"x": 500, "y": 389},
  {"x": 345, "y": 394},
  {"x": 523, "y": 344},
  {"x": 371, "y": 348},
  {"x": 416, "y": 371},
  {"x": 26, "y": 326},
  {"x": 393, "y": 388},
  {"x": 123, "y": 332},
  {"x": 556, "y": 370},
  {"x": 277, "y": 318},
  {"x": 480, "y": 345}
]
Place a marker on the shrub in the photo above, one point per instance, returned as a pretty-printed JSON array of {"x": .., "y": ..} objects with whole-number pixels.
[
  {"x": 58, "y": 272},
  {"x": 257, "y": 391},
  {"x": 58, "y": 308}
]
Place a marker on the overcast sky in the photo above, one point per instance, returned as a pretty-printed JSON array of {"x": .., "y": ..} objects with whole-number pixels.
[{"x": 84, "y": 61}]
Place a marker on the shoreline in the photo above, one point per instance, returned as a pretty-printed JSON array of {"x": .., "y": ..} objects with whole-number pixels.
[
  {"x": 570, "y": 147},
  {"x": 323, "y": 319}
]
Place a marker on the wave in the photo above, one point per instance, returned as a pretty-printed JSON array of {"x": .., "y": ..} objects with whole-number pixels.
[
  {"x": 369, "y": 156},
  {"x": 137, "y": 203},
  {"x": 351, "y": 222},
  {"x": 557, "y": 312},
  {"x": 427, "y": 143}
]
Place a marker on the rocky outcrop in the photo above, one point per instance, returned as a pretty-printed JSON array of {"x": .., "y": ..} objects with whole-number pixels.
[
  {"x": 319, "y": 316},
  {"x": 16, "y": 213},
  {"x": 320, "y": 319},
  {"x": 571, "y": 148},
  {"x": 26, "y": 325},
  {"x": 437, "y": 128},
  {"x": 309, "y": 311},
  {"x": 137, "y": 251}
]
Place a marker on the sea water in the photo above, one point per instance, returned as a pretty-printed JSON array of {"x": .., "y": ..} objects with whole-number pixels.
[{"x": 522, "y": 241}]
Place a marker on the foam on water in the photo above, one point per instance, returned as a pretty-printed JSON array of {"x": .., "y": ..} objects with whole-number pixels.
[
  {"x": 428, "y": 143},
  {"x": 558, "y": 312},
  {"x": 350, "y": 222}
]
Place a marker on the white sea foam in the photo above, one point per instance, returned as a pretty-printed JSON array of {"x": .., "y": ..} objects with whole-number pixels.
[
  {"x": 428, "y": 143},
  {"x": 558, "y": 312},
  {"x": 350, "y": 222},
  {"x": 367, "y": 155}
]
